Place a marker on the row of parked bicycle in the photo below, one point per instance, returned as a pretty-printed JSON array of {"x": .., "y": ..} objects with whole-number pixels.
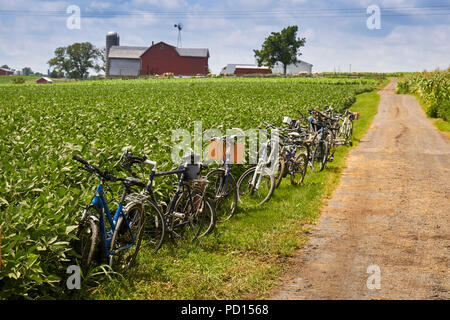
[{"x": 202, "y": 200}]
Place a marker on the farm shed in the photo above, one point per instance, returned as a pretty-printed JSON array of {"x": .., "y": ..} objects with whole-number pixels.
[
  {"x": 44, "y": 80},
  {"x": 5, "y": 72},
  {"x": 125, "y": 61},
  {"x": 293, "y": 68},
  {"x": 162, "y": 57},
  {"x": 238, "y": 69}
]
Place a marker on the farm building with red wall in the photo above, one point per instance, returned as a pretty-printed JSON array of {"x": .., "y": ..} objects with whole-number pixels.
[
  {"x": 5, "y": 72},
  {"x": 162, "y": 57},
  {"x": 240, "y": 69},
  {"x": 44, "y": 80},
  {"x": 159, "y": 58},
  {"x": 251, "y": 70}
]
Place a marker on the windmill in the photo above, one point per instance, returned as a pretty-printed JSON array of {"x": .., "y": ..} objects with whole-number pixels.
[{"x": 179, "y": 26}]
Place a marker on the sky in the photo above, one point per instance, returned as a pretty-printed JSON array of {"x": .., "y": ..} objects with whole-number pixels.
[{"x": 413, "y": 35}]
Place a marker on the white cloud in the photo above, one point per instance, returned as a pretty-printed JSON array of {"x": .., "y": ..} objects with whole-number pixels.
[{"x": 167, "y": 4}]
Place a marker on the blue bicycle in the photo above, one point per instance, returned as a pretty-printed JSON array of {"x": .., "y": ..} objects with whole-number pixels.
[{"x": 115, "y": 239}]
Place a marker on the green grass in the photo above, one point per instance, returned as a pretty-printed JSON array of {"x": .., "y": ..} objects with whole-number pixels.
[
  {"x": 10, "y": 79},
  {"x": 245, "y": 256}
]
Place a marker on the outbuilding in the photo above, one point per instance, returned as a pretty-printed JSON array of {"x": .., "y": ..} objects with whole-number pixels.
[
  {"x": 125, "y": 61},
  {"x": 44, "y": 80},
  {"x": 240, "y": 69},
  {"x": 5, "y": 72}
]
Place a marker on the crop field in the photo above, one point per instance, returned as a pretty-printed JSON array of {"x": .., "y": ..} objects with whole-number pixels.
[
  {"x": 42, "y": 190},
  {"x": 433, "y": 90}
]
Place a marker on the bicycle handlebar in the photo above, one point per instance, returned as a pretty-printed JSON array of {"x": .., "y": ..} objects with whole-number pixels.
[{"x": 93, "y": 169}]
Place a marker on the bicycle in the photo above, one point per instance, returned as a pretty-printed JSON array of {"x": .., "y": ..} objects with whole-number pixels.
[
  {"x": 293, "y": 157},
  {"x": 257, "y": 184},
  {"x": 222, "y": 184},
  {"x": 123, "y": 232},
  {"x": 188, "y": 206}
]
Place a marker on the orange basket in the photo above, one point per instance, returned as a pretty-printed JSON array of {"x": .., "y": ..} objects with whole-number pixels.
[{"x": 217, "y": 151}]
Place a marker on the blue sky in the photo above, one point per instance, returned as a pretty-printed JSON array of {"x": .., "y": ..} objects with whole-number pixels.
[{"x": 336, "y": 32}]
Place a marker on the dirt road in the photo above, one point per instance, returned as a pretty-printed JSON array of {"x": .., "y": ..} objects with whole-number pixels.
[{"x": 391, "y": 209}]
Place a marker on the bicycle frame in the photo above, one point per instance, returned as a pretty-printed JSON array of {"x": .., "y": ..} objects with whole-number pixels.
[
  {"x": 100, "y": 203},
  {"x": 170, "y": 211},
  {"x": 264, "y": 159}
]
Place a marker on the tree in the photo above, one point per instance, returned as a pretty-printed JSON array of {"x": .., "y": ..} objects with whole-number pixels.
[
  {"x": 76, "y": 60},
  {"x": 102, "y": 66},
  {"x": 280, "y": 46},
  {"x": 27, "y": 71}
]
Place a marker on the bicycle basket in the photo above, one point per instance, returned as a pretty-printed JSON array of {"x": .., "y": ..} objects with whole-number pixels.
[
  {"x": 217, "y": 150},
  {"x": 191, "y": 165},
  {"x": 192, "y": 171}
]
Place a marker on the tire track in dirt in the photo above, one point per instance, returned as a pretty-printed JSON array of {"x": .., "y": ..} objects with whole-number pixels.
[{"x": 390, "y": 209}]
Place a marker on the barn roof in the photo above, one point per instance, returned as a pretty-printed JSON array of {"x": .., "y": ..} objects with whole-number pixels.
[
  {"x": 185, "y": 52},
  {"x": 126, "y": 52},
  {"x": 240, "y": 66},
  {"x": 193, "y": 52},
  {"x": 4, "y": 69}
]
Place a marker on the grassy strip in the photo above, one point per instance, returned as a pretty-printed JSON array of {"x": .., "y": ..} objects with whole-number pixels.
[{"x": 244, "y": 257}]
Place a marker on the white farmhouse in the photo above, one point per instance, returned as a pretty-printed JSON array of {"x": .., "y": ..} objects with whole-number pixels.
[{"x": 293, "y": 68}]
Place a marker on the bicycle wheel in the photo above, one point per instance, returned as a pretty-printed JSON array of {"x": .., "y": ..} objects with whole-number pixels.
[
  {"x": 154, "y": 230},
  {"x": 203, "y": 217},
  {"x": 319, "y": 156},
  {"x": 253, "y": 195},
  {"x": 86, "y": 244},
  {"x": 223, "y": 192},
  {"x": 316, "y": 153},
  {"x": 122, "y": 258},
  {"x": 348, "y": 131},
  {"x": 297, "y": 168},
  {"x": 281, "y": 173},
  {"x": 197, "y": 211}
]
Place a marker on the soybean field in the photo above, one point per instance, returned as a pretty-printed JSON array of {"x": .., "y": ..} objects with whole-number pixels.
[{"x": 42, "y": 190}]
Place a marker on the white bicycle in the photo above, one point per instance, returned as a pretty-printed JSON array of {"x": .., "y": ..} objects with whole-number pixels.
[{"x": 257, "y": 184}]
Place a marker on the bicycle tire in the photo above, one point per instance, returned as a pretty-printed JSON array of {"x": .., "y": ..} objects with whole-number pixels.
[
  {"x": 281, "y": 172},
  {"x": 247, "y": 192},
  {"x": 123, "y": 260},
  {"x": 225, "y": 201},
  {"x": 201, "y": 222},
  {"x": 154, "y": 232},
  {"x": 86, "y": 244},
  {"x": 320, "y": 156},
  {"x": 316, "y": 148},
  {"x": 300, "y": 166}
]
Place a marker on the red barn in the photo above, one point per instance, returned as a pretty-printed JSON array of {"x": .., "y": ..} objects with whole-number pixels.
[
  {"x": 162, "y": 57},
  {"x": 239, "y": 70},
  {"x": 5, "y": 72}
]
